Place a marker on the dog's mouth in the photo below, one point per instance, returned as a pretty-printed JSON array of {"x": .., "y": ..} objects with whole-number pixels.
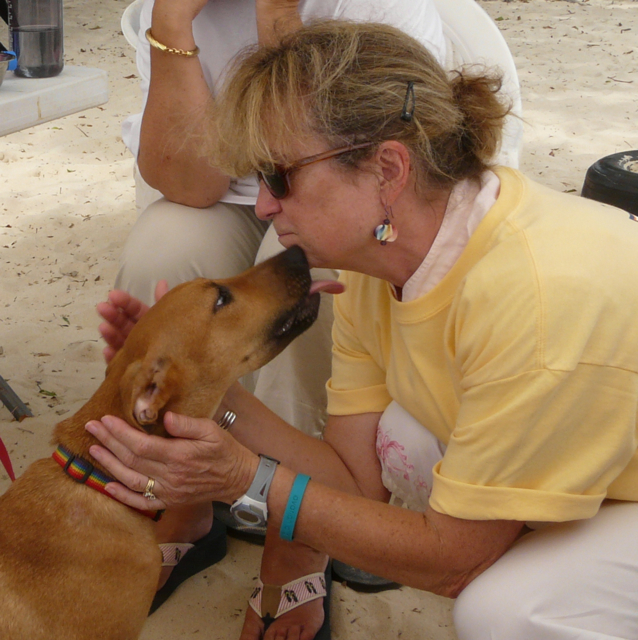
[{"x": 296, "y": 320}]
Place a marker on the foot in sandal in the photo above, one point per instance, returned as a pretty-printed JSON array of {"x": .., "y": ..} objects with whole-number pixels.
[
  {"x": 294, "y": 603},
  {"x": 202, "y": 544}
]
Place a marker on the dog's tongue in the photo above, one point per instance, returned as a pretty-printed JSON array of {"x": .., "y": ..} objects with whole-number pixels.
[{"x": 329, "y": 286}]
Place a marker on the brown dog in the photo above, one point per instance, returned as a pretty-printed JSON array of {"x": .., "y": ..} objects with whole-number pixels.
[{"x": 76, "y": 564}]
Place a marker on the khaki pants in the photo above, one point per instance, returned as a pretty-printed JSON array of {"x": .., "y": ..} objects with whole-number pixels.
[{"x": 178, "y": 243}]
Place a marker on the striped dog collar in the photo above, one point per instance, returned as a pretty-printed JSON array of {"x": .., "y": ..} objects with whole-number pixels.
[{"x": 84, "y": 472}]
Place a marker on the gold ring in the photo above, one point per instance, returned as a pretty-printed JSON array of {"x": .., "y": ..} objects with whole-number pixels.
[{"x": 148, "y": 492}]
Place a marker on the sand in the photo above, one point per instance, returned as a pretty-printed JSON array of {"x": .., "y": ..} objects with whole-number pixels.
[{"x": 67, "y": 203}]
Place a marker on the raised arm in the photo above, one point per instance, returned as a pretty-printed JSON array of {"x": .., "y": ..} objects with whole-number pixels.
[
  {"x": 169, "y": 156},
  {"x": 275, "y": 18}
]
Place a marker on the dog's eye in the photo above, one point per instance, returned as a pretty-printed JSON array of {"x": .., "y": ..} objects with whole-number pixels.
[{"x": 223, "y": 298}]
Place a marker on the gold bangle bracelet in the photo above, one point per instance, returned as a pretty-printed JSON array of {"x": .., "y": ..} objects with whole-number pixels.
[{"x": 162, "y": 47}]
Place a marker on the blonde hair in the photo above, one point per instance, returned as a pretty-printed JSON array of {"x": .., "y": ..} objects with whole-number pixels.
[{"x": 347, "y": 83}]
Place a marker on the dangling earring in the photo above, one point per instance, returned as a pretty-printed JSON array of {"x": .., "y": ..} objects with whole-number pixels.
[{"x": 385, "y": 232}]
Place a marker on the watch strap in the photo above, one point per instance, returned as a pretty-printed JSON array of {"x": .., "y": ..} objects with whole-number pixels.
[
  {"x": 260, "y": 486},
  {"x": 251, "y": 509}
]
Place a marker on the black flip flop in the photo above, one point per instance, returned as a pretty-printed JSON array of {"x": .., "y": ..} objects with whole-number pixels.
[
  {"x": 324, "y": 632},
  {"x": 207, "y": 551},
  {"x": 361, "y": 580}
]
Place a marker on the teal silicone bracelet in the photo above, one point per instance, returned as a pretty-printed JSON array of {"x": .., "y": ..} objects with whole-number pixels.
[{"x": 292, "y": 508}]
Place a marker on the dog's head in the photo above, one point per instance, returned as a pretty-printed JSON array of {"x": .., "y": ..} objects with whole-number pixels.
[{"x": 205, "y": 334}]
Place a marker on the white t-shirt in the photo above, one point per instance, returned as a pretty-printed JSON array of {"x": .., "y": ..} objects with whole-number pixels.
[{"x": 224, "y": 27}]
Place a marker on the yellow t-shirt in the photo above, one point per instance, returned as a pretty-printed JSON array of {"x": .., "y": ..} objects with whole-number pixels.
[{"x": 523, "y": 360}]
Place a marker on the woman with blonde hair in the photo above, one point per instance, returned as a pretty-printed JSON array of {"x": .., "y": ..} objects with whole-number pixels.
[{"x": 485, "y": 359}]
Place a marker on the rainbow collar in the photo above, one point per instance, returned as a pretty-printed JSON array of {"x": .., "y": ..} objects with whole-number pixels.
[{"x": 84, "y": 472}]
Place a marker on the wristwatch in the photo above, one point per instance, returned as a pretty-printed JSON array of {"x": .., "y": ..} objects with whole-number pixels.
[{"x": 251, "y": 510}]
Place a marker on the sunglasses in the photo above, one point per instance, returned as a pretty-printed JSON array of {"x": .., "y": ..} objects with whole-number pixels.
[{"x": 277, "y": 181}]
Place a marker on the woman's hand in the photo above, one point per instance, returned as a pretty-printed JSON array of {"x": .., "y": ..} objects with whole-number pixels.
[
  {"x": 121, "y": 312},
  {"x": 276, "y": 18},
  {"x": 187, "y": 10},
  {"x": 201, "y": 463}
]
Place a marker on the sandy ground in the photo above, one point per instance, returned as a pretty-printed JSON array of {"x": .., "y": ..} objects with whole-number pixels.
[{"x": 67, "y": 203}]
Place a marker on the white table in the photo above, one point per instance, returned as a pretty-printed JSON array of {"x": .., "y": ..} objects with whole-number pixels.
[{"x": 25, "y": 102}]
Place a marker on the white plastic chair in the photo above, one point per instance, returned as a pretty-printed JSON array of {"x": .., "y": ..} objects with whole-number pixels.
[
  {"x": 130, "y": 22},
  {"x": 472, "y": 37}
]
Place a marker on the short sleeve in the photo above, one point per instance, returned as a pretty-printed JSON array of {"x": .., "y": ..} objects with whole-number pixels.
[
  {"x": 358, "y": 382},
  {"x": 544, "y": 445}
]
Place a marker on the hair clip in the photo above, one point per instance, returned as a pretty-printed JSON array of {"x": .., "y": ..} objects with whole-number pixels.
[{"x": 406, "y": 115}]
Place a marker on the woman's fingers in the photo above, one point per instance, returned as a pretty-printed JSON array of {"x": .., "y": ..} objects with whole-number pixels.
[
  {"x": 180, "y": 426},
  {"x": 118, "y": 436},
  {"x": 134, "y": 480},
  {"x": 132, "y": 499},
  {"x": 160, "y": 289},
  {"x": 109, "y": 354},
  {"x": 133, "y": 448},
  {"x": 121, "y": 313},
  {"x": 127, "y": 305},
  {"x": 113, "y": 336},
  {"x": 107, "y": 311},
  {"x": 134, "y": 483},
  {"x": 117, "y": 322}
]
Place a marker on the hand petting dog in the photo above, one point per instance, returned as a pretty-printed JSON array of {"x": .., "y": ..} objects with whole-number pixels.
[{"x": 202, "y": 462}]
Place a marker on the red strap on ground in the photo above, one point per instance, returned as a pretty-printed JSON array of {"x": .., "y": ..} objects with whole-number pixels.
[{"x": 6, "y": 461}]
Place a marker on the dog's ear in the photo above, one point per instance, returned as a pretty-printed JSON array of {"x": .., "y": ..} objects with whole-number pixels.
[{"x": 148, "y": 386}]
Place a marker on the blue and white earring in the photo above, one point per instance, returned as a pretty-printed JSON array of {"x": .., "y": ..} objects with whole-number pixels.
[{"x": 385, "y": 232}]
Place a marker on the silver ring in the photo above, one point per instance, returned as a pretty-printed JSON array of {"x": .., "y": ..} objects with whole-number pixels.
[
  {"x": 227, "y": 420},
  {"x": 148, "y": 492}
]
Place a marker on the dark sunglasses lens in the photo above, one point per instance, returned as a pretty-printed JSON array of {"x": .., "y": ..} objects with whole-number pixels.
[{"x": 275, "y": 183}]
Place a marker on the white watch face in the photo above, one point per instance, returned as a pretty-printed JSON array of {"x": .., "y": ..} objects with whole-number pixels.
[
  {"x": 247, "y": 517},
  {"x": 249, "y": 512}
]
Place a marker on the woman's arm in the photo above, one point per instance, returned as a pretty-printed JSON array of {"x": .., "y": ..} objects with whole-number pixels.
[
  {"x": 346, "y": 458},
  {"x": 202, "y": 462},
  {"x": 429, "y": 551},
  {"x": 170, "y": 156},
  {"x": 276, "y": 18},
  {"x": 341, "y": 513}
]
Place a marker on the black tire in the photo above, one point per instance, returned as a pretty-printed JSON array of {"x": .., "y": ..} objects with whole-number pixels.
[{"x": 614, "y": 180}]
